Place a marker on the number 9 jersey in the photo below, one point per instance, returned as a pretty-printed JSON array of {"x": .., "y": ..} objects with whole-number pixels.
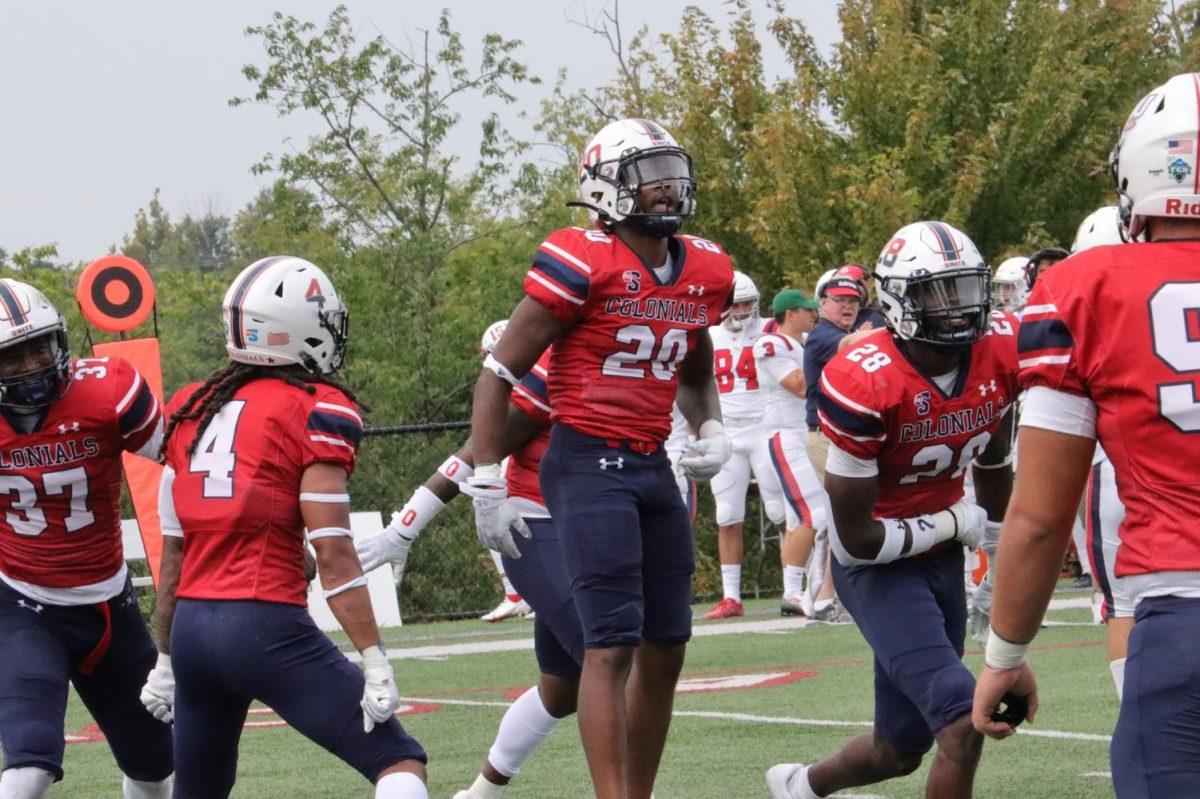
[
  {"x": 613, "y": 375},
  {"x": 875, "y": 404},
  {"x": 237, "y": 497}
]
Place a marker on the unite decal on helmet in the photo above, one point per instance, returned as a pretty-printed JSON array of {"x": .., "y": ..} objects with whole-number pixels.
[
  {"x": 1098, "y": 229},
  {"x": 491, "y": 337},
  {"x": 744, "y": 291},
  {"x": 627, "y": 156},
  {"x": 932, "y": 285},
  {"x": 25, "y": 315},
  {"x": 282, "y": 310},
  {"x": 1154, "y": 161},
  {"x": 1010, "y": 288}
]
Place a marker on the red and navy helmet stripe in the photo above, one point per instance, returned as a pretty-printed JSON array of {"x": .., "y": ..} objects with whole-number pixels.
[
  {"x": 654, "y": 130},
  {"x": 947, "y": 247},
  {"x": 239, "y": 296},
  {"x": 12, "y": 305}
]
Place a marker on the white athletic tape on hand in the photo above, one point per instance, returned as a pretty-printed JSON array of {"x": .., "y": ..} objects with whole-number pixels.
[
  {"x": 329, "y": 532},
  {"x": 341, "y": 589},
  {"x": 332, "y": 499}
]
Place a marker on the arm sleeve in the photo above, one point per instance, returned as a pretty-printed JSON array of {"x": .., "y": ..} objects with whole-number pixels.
[
  {"x": 1060, "y": 411},
  {"x": 769, "y": 357},
  {"x": 1046, "y": 351},
  {"x": 139, "y": 416},
  {"x": 168, "y": 519},
  {"x": 559, "y": 277},
  {"x": 531, "y": 396},
  {"x": 848, "y": 416},
  {"x": 332, "y": 431}
]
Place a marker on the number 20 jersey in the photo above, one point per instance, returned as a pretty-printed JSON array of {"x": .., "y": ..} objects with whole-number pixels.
[
  {"x": 613, "y": 375},
  {"x": 875, "y": 404},
  {"x": 237, "y": 496},
  {"x": 1121, "y": 325}
]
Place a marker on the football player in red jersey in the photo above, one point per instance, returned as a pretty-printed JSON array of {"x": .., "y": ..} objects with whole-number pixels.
[
  {"x": 257, "y": 454},
  {"x": 626, "y": 305},
  {"x": 67, "y": 609},
  {"x": 1110, "y": 352},
  {"x": 907, "y": 411}
]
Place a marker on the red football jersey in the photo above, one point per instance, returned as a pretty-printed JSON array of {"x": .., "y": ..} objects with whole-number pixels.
[
  {"x": 613, "y": 374},
  {"x": 875, "y": 403},
  {"x": 1121, "y": 325},
  {"x": 60, "y": 486},
  {"x": 533, "y": 399},
  {"x": 238, "y": 496}
]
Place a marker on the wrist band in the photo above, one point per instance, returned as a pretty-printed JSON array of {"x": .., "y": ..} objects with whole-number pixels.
[
  {"x": 1003, "y": 655},
  {"x": 455, "y": 469}
]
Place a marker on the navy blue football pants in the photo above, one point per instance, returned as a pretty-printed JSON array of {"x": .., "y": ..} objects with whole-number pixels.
[
  {"x": 45, "y": 647},
  {"x": 228, "y": 653}
]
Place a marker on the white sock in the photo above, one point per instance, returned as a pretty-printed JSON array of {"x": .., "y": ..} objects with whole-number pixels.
[
  {"x": 25, "y": 782},
  {"x": 799, "y": 787},
  {"x": 1117, "y": 667},
  {"x": 419, "y": 511},
  {"x": 793, "y": 581},
  {"x": 138, "y": 789},
  {"x": 400, "y": 785},
  {"x": 821, "y": 604},
  {"x": 524, "y": 728},
  {"x": 509, "y": 591},
  {"x": 482, "y": 789},
  {"x": 731, "y": 580}
]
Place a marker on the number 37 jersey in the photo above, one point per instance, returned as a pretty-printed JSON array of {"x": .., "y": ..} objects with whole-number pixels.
[
  {"x": 613, "y": 375},
  {"x": 876, "y": 404},
  {"x": 237, "y": 497}
]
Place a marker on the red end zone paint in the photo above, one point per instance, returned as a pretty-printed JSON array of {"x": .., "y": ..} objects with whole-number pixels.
[
  {"x": 727, "y": 682},
  {"x": 91, "y": 733}
]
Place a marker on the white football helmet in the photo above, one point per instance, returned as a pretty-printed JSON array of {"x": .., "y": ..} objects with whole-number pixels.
[
  {"x": 821, "y": 281},
  {"x": 744, "y": 290},
  {"x": 283, "y": 310},
  {"x": 1099, "y": 228},
  {"x": 491, "y": 337},
  {"x": 1010, "y": 289},
  {"x": 1154, "y": 162},
  {"x": 26, "y": 314},
  {"x": 932, "y": 285},
  {"x": 627, "y": 156}
]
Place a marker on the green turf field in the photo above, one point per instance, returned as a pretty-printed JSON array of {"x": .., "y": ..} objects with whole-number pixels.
[{"x": 817, "y": 694}]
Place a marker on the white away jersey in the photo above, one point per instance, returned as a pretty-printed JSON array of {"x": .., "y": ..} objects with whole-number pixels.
[
  {"x": 737, "y": 374},
  {"x": 778, "y": 355}
]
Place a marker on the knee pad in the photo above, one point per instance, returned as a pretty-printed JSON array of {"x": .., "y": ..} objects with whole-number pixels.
[
  {"x": 729, "y": 513},
  {"x": 142, "y": 789},
  {"x": 776, "y": 511},
  {"x": 25, "y": 782}
]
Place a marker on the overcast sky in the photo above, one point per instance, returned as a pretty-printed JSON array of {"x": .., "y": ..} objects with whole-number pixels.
[{"x": 103, "y": 102}]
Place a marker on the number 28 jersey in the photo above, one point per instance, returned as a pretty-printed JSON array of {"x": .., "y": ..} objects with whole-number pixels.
[
  {"x": 613, "y": 375},
  {"x": 875, "y": 404},
  {"x": 237, "y": 497}
]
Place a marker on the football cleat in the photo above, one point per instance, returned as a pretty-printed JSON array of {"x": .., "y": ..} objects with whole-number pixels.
[
  {"x": 778, "y": 777},
  {"x": 506, "y": 610},
  {"x": 833, "y": 613},
  {"x": 726, "y": 609},
  {"x": 792, "y": 606}
]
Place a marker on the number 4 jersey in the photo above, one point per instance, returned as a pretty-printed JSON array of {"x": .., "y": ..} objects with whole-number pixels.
[
  {"x": 60, "y": 485},
  {"x": 876, "y": 404},
  {"x": 1121, "y": 326},
  {"x": 613, "y": 374},
  {"x": 237, "y": 497}
]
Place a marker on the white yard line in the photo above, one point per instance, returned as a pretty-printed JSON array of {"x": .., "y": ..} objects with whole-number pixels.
[
  {"x": 750, "y": 718},
  {"x": 1072, "y": 602}
]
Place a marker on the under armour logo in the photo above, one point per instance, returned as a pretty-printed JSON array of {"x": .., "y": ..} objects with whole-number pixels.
[
  {"x": 35, "y": 607},
  {"x": 694, "y": 289},
  {"x": 619, "y": 463},
  {"x": 73, "y": 428},
  {"x": 986, "y": 388}
]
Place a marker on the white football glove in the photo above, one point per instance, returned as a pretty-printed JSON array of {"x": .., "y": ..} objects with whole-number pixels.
[
  {"x": 158, "y": 694},
  {"x": 705, "y": 456},
  {"x": 972, "y": 521},
  {"x": 386, "y": 546},
  {"x": 380, "y": 698},
  {"x": 495, "y": 517}
]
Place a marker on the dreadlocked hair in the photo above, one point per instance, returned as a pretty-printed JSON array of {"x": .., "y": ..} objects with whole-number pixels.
[{"x": 207, "y": 401}]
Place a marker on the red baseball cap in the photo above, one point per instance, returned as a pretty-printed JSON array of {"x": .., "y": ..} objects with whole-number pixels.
[
  {"x": 852, "y": 271},
  {"x": 841, "y": 287}
]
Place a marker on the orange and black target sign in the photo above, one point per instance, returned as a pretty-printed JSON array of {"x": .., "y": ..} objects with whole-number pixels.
[{"x": 115, "y": 293}]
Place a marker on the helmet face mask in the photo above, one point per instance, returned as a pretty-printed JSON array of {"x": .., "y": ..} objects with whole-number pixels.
[
  {"x": 42, "y": 386},
  {"x": 1010, "y": 290},
  {"x": 745, "y": 303},
  {"x": 631, "y": 167}
]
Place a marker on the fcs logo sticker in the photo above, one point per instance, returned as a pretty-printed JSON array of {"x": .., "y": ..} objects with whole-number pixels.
[{"x": 314, "y": 293}]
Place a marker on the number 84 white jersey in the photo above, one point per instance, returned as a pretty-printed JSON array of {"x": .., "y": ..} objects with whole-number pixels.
[{"x": 739, "y": 384}]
